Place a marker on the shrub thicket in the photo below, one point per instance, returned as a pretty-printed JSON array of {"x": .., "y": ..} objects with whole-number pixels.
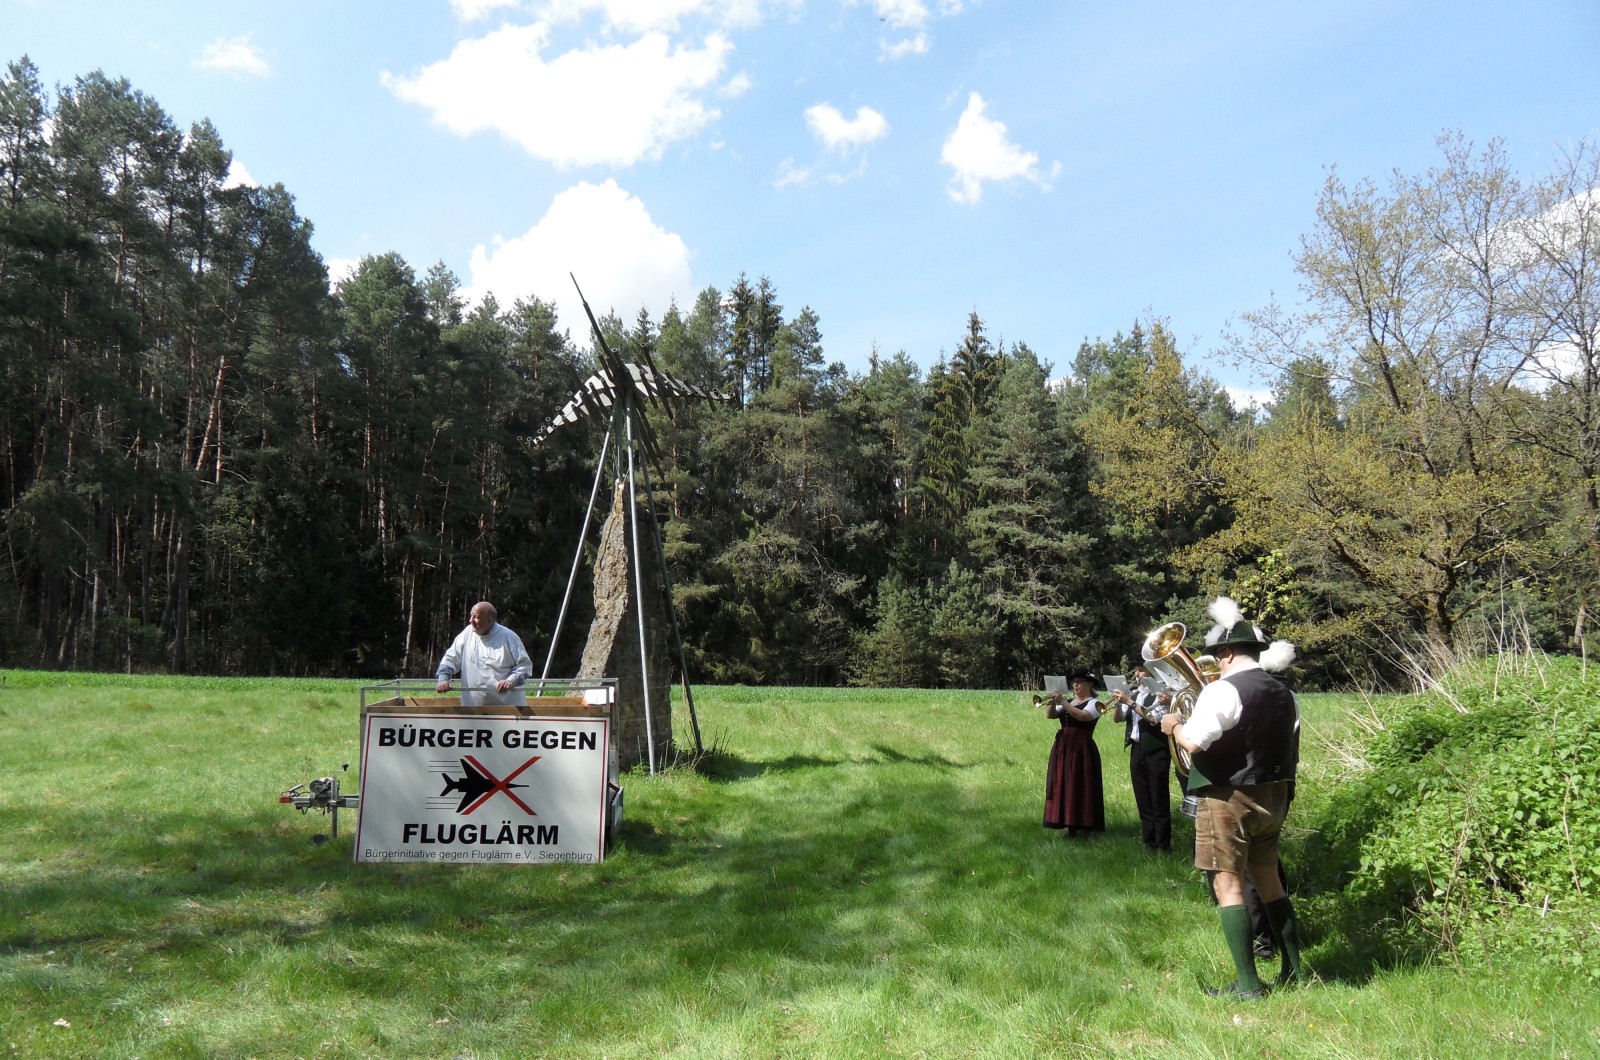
[{"x": 1473, "y": 827}]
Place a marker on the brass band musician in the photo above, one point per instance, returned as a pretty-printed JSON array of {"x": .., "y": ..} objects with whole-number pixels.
[
  {"x": 1242, "y": 738},
  {"x": 1149, "y": 758},
  {"x": 1074, "y": 793}
]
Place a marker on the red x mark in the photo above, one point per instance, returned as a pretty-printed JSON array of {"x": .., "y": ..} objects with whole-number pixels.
[{"x": 501, "y": 785}]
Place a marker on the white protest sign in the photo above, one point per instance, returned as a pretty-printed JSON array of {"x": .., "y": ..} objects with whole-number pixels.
[{"x": 479, "y": 789}]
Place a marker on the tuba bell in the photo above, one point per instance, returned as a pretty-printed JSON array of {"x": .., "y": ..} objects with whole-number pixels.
[{"x": 1184, "y": 675}]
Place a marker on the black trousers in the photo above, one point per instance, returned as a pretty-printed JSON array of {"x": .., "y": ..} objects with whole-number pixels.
[{"x": 1150, "y": 767}]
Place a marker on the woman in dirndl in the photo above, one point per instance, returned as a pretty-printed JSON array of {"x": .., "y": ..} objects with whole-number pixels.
[{"x": 1074, "y": 797}]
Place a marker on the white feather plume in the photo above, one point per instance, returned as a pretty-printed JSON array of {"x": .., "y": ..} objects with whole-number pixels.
[
  {"x": 1280, "y": 654},
  {"x": 1226, "y": 613}
]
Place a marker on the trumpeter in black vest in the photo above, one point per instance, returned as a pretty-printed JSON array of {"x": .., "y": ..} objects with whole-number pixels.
[{"x": 1149, "y": 759}]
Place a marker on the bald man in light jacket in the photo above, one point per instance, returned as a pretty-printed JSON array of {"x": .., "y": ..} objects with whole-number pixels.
[{"x": 486, "y": 655}]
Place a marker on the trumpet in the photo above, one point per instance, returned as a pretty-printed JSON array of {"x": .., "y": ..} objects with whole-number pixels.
[{"x": 1060, "y": 698}]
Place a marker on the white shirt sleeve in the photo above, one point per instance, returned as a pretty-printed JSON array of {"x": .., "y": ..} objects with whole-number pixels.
[
  {"x": 449, "y": 666},
  {"x": 522, "y": 668},
  {"x": 1217, "y": 709}
]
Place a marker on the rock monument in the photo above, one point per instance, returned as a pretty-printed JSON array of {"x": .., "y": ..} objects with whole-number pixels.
[{"x": 612, "y": 649}]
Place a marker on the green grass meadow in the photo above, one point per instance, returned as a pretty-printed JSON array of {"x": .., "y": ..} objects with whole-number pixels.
[{"x": 849, "y": 873}]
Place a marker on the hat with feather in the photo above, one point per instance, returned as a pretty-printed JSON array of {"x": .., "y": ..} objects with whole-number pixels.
[{"x": 1232, "y": 630}]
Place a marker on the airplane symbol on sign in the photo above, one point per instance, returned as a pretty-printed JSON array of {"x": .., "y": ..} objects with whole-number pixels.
[{"x": 477, "y": 785}]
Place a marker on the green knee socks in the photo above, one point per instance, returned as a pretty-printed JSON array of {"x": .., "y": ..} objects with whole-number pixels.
[{"x": 1236, "y": 930}]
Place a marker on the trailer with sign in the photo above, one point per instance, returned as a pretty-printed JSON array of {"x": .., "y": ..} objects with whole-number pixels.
[{"x": 446, "y": 783}]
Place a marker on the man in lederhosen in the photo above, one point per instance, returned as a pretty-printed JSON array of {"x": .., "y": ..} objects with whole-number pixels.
[{"x": 1241, "y": 738}]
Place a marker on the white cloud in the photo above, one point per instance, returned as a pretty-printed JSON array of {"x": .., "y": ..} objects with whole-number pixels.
[
  {"x": 340, "y": 269},
  {"x": 902, "y": 14},
  {"x": 1553, "y": 361},
  {"x": 601, "y": 105},
  {"x": 472, "y": 10},
  {"x": 910, "y": 19},
  {"x": 791, "y": 175},
  {"x": 1245, "y": 399},
  {"x": 917, "y": 45},
  {"x": 845, "y": 178},
  {"x": 736, "y": 86},
  {"x": 912, "y": 14},
  {"x": 838, "y": 135},
  {"x": 239, "y": 177},
  {"x": 607, "y": 239},
  {"x": 235, "y": 56},
  {"x": 651, "y": 16},
  {"x": 1563, "y": 231},
  {"x": 979, "y": 153},
  {"x": 842, "y": 134}
]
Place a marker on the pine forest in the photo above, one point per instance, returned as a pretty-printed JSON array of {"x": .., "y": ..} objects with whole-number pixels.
[{"x": 212, "y": 460}]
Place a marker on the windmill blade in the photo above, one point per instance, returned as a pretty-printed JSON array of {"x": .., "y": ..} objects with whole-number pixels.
[
  {"x": 619, "y": 375},
  {"x": 658, "y": 385},
  {"x": 663, "y": 395},
  {"x": 619, "y": 380},
  {"x": 609, "y": 361},
  {"x": 597, "y": 395},
  {"x": 647, "y": 440}
]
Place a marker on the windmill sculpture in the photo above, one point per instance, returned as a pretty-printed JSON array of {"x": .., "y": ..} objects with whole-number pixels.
[{"x": 623, "y": 391}]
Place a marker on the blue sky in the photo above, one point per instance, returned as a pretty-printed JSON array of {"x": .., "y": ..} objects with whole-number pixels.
[{"x": 1064, "y": 168}]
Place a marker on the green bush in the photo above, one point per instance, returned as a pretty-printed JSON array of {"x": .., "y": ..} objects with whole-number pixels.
[{"x": 1475, "y": 828}]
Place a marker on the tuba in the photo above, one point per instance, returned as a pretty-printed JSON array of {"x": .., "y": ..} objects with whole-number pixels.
[{"x": 1184, "y": 675}]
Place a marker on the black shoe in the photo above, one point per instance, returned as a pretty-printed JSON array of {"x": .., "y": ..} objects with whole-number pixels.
[
  {"x": 1233, "y": 992},
  {"x": 1264, "y": 951}
]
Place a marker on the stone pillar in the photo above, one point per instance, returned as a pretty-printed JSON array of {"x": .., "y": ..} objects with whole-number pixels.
[{"x": 613, "y": 646}]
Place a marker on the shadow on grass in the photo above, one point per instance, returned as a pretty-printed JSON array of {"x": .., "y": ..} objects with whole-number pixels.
[
  {"x": 1351, "y": 943},
  {"x": 726, "y": 767},
  {"x": 642, "y": 838},
  {"x": 1355, "y": 964},
  {"x": 889, "y": 754}
]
